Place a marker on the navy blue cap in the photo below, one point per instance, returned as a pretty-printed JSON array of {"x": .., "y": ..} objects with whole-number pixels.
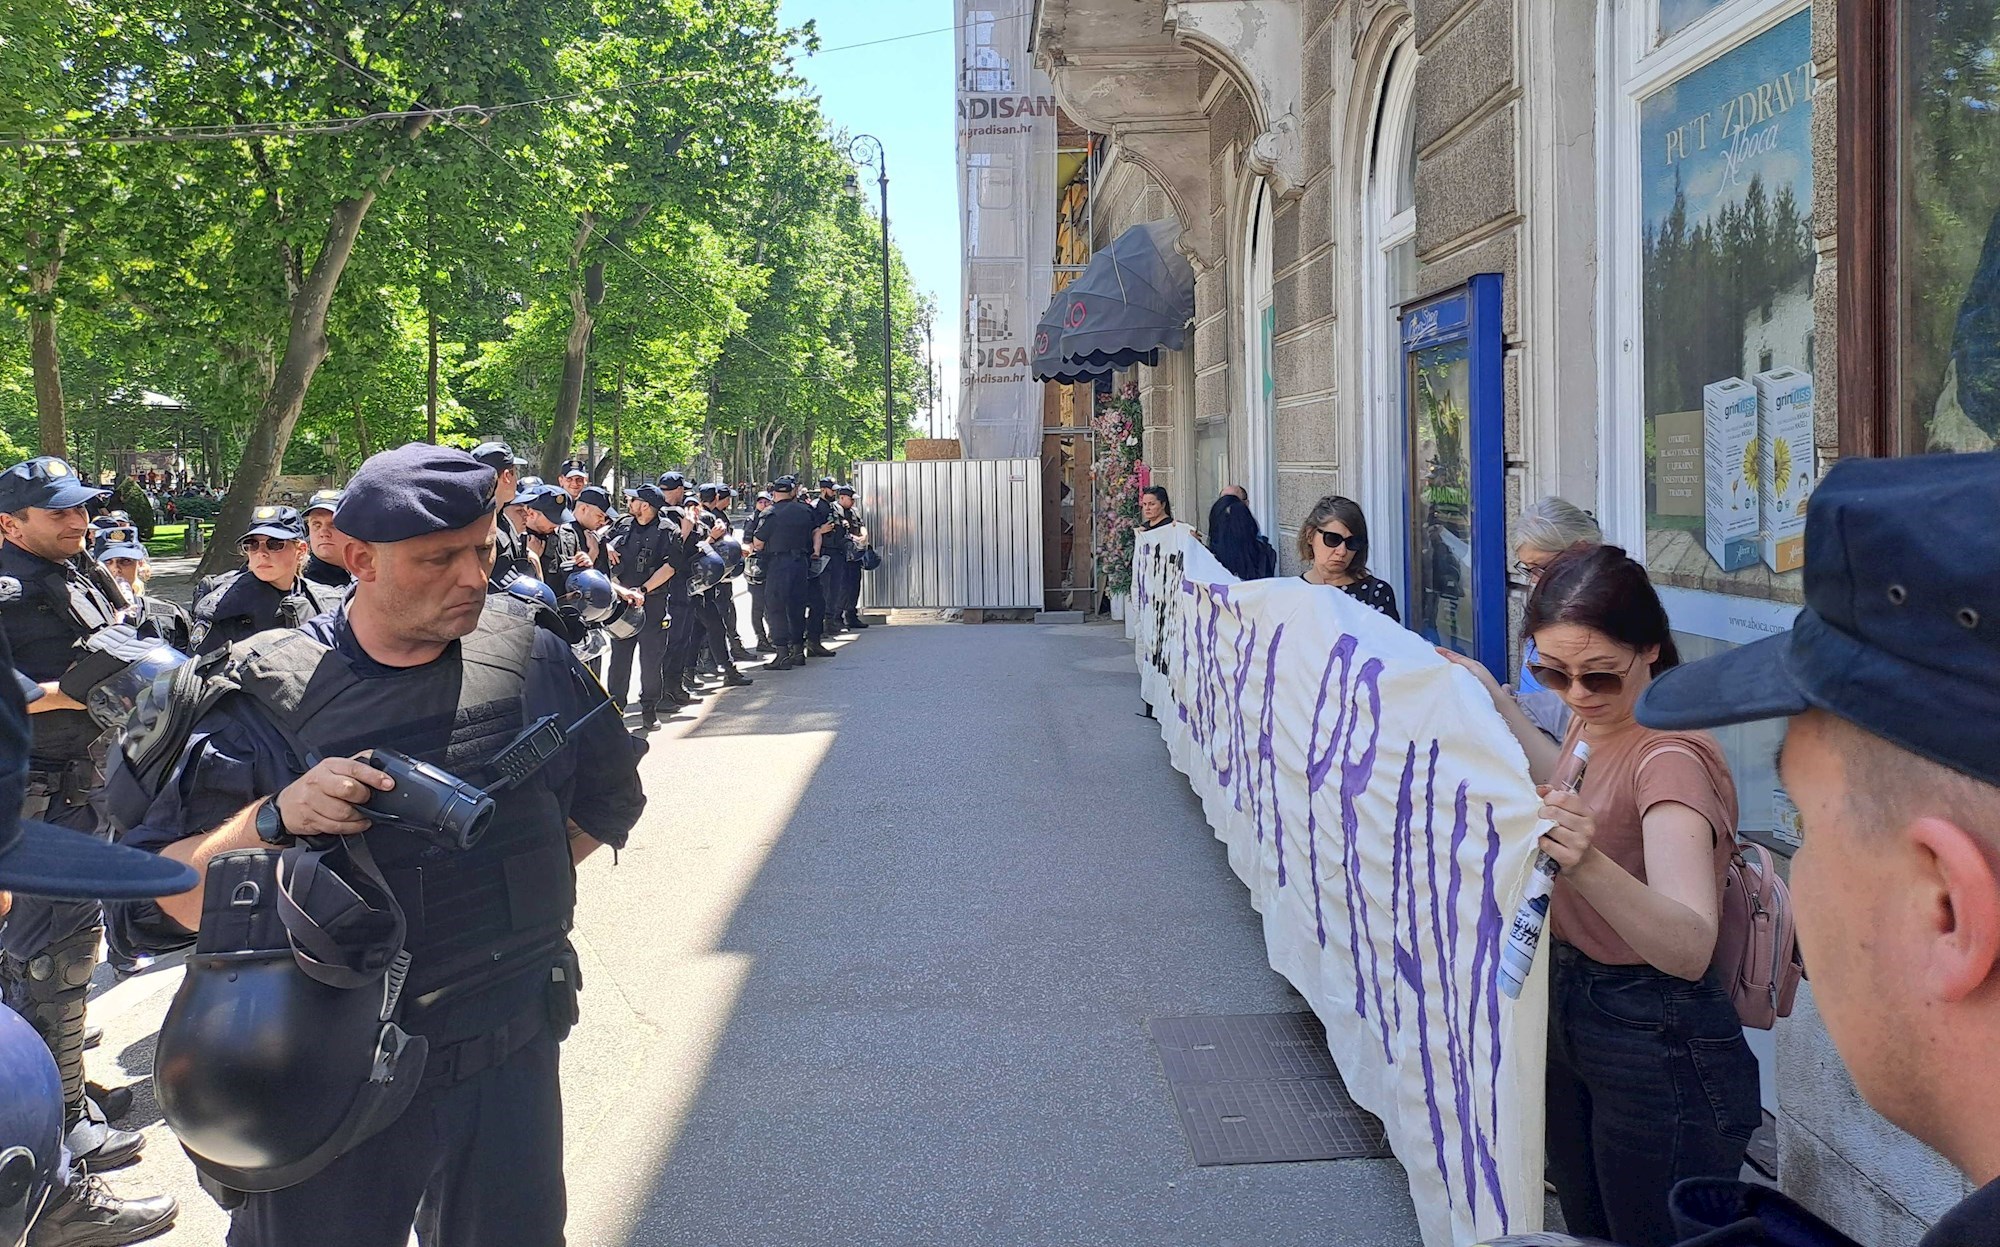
[
  {"x": 550, "y": 500},
  {"x": 413, "y": 491},
  {"x": 826, "y": 482},
  {"x": 709, "y": 493},
  {"x": 595, "y": 495},
  {"x": 44, "y": 482},
  {"x": 111, "y": 519},
  {"x": 649, "y": 494},
  {"x": 673, "y": 480},
  {"x": 1900, "y": 634},
  {"x": 844, "y": 489},
  {"x": 528, "y": 484},
  {"x": 118, "y": 541},
  {"x": 764, "y": 495},
  {"x": 327, "y": 500},
  {"x": 574, "y": 467},
  {"x": 282, "y": 522},
  {"x": 44, "y": 860},
  {"x": 498, "y": 455},
  {"x": 785, "y": 485}
]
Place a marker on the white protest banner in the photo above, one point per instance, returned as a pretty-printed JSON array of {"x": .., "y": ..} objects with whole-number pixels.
[{"x": 1381, "y": 815}]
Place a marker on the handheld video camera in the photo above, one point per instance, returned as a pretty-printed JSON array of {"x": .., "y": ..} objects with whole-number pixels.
[{"x": 427, "y": 801}]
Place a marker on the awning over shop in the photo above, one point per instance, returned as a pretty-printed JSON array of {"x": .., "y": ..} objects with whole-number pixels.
[
  {"x": 1049, "y": 364},
  {"x": 1135, "y": 299}
]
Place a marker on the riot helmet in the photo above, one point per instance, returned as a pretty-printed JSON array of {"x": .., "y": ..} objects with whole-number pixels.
[
  {"x": 592, "y": 594},
  {"x": 31, "y": 1126}
]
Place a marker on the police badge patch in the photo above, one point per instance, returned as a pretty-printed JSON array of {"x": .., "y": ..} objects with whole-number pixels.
[{"x": 10, "y": 589}]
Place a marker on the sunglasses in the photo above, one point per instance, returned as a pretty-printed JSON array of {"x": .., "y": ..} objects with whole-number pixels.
[
  {"x": 1530, "y": 571},
  {"x": 1333, "y": 541},
  {"x": 1602, "y": 683},
  {"x": 268, "y": 545}
]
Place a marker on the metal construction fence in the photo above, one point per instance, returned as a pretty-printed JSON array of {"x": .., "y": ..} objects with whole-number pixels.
[{"x": 953, "y": 533}]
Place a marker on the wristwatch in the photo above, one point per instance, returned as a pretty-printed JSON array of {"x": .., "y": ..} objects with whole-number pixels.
[{"x": 271, "y": 825}]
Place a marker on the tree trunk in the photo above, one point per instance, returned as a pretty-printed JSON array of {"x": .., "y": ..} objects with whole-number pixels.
[
  {"x": 45, "y": 266},
  {"x": 361, "y": 433},
  {"x": 569, "y": 400},
  {"x": 617, "y": 438},
  {"x": 305, "y": 350}
]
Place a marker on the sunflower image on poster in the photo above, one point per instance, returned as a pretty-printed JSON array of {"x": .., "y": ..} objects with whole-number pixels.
[{"x": 1726, "y": 276}]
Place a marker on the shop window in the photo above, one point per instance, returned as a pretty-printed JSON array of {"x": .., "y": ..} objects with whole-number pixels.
[
  {"x": 1920, "y": 226},
  {"x": 1709, "y": 327}
]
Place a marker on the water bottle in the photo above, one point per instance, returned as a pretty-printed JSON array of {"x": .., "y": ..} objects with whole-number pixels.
[{"x": 1524, "y": 934}]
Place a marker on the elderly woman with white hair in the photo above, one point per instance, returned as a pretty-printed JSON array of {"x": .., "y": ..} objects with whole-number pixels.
[{"x": 1546, "y": 529}]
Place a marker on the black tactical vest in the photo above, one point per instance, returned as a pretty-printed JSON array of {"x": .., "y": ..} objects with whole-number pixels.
[{"x": 476, "y": 915}]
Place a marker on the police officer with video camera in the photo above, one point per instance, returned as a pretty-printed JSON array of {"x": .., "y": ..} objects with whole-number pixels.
[
  {"x": 432, "y": 765},
  {"x": 53, "y": 599},
  {"x": 45, "y": 1195}
]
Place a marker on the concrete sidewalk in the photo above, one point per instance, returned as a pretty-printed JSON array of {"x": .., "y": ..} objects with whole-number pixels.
[{"x": 878, "y": 965}]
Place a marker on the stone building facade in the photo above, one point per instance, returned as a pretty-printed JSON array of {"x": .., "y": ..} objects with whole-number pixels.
[{"x": 1333, "y": 161}]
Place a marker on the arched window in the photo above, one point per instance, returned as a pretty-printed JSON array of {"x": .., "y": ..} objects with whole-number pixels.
[{"x": 1389, "y": 256}]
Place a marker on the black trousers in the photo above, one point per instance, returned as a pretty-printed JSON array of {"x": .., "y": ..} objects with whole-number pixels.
[
  {"x": 683, "y": 634},
  {"x": 816, "y": 605},
  {"x": 478, "y": 1164},
  {"x": 787, "y": 590},
  {"x": 51, "y": 950},
  {"x": 850, "y": 591},
  {"x": 1649, "y": 1082},
  {"x": 715, "y": 631},
  {"x": 757, "y": 617},
  {"x": 651, "y": 646}
]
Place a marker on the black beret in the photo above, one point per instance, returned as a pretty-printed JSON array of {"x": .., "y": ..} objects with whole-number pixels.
[{"x": 413, "y": 491}]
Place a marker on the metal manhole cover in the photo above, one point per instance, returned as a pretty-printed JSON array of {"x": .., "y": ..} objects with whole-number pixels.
[
  {"x": 1243, "y": 1047},
  {"x": 1261, "y": 1088}
]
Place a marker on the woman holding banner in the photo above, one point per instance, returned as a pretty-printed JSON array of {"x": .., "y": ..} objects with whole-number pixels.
[
  {"x": 1333, "y": 544},
  {"x": 1649, "y": 1078}
]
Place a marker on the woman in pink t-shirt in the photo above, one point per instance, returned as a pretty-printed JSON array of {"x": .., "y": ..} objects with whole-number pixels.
[{"x": 1649, "y": 1078}]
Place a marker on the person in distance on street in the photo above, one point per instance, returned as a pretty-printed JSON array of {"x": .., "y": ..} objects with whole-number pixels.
[
  {"x": 856, "y": 533},
  {"x": 268, "y": 592},
  {"x": 323, "y": 566},
  {"x": 1889, "y": 681},
  {"x": 419, "y": 659}
]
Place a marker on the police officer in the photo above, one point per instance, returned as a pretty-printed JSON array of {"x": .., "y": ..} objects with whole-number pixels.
[
  {"x": 551, "y": 538},
  {"x": 421, "y": 659},
  {"x": 75, "y": 1207},
  {"x": 53, "y": 596},
  {"x": 268, "y": 592},
  {"x": 786, "y": 539},
  {"x": 119, "y": 551},
  {"x": 712, "y": 525},
  {"x": 684, "y": 630},
  {"x": 644, "y": 566},
  {"x": 509, "y": 559},
  {"x": 726, "y": 595},
  {"x": 575, "y": 474},
  {"x": 854, "y": 536},
  {"x": 323, "y": 566},
  {"x": 754, "y": 571},
  {"x": 593, "y": 515}
]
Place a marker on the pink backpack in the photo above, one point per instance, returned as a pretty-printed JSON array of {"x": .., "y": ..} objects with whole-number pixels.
[{"x": 1756, "y": 948}]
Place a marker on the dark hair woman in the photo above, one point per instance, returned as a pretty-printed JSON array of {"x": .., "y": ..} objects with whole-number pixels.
[
  {"x": 1333, "y": 544},
  {"x": 1649, "y": 1079},
  {"x": 1236, "y": 541},
  {"x": 1155, "y": 508}
]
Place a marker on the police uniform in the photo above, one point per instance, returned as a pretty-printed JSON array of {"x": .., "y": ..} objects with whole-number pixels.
[
  {"x": 476, "y": 1158},
  {"x": 787, "y": 533},
  {"x": 711, "y": 603},
  {"x": 317, "y": 569},
  {"x": 642, "y": 550},
  {"x": 684, "y": 625},
  {"x": 819, "y": 602},
  {"x": 509, "y": 556},
  {"x": 235, "y": 605},
  {"x": 847, "y": 518},
  {"x": 48, "y": 610},
  {"x": 161, "y": 617},
  {"x": 559, "y": 547},
  {"x": 754, "y": 573}
]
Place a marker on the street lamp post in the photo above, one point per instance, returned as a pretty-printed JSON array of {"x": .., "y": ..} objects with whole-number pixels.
[{"x": 867, "y": 149}]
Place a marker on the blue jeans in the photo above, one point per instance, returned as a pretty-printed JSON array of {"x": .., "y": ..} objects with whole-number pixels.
[{"x": 1649, "y": 1082}]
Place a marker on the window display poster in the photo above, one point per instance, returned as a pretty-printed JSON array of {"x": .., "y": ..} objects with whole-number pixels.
[{"x": 1727, "y": 288}]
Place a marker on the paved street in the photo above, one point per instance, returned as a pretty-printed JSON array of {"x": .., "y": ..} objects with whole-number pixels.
[{"x": 877, "y": 970}]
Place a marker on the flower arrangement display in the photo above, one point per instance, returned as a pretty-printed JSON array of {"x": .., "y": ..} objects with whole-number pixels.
[{"x": 1116, "y": 474}]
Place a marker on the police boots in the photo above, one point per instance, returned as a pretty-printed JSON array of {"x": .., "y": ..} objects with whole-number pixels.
[
  {"x": 90, "y": 1214},
  {"x": 48, "y": 990},
  {"x": 783, "y": 662},
  {"x": 816, "y": 650}
]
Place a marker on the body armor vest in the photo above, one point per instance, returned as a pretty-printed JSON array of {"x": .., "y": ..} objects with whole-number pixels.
[{"x": 477, "y": 915}]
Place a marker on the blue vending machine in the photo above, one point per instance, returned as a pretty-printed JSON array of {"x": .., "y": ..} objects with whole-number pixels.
[{"x": 1455, "y": 523}]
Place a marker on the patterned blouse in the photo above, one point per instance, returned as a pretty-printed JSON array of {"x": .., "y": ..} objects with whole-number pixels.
[{"x": 1372, "y": 591}]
